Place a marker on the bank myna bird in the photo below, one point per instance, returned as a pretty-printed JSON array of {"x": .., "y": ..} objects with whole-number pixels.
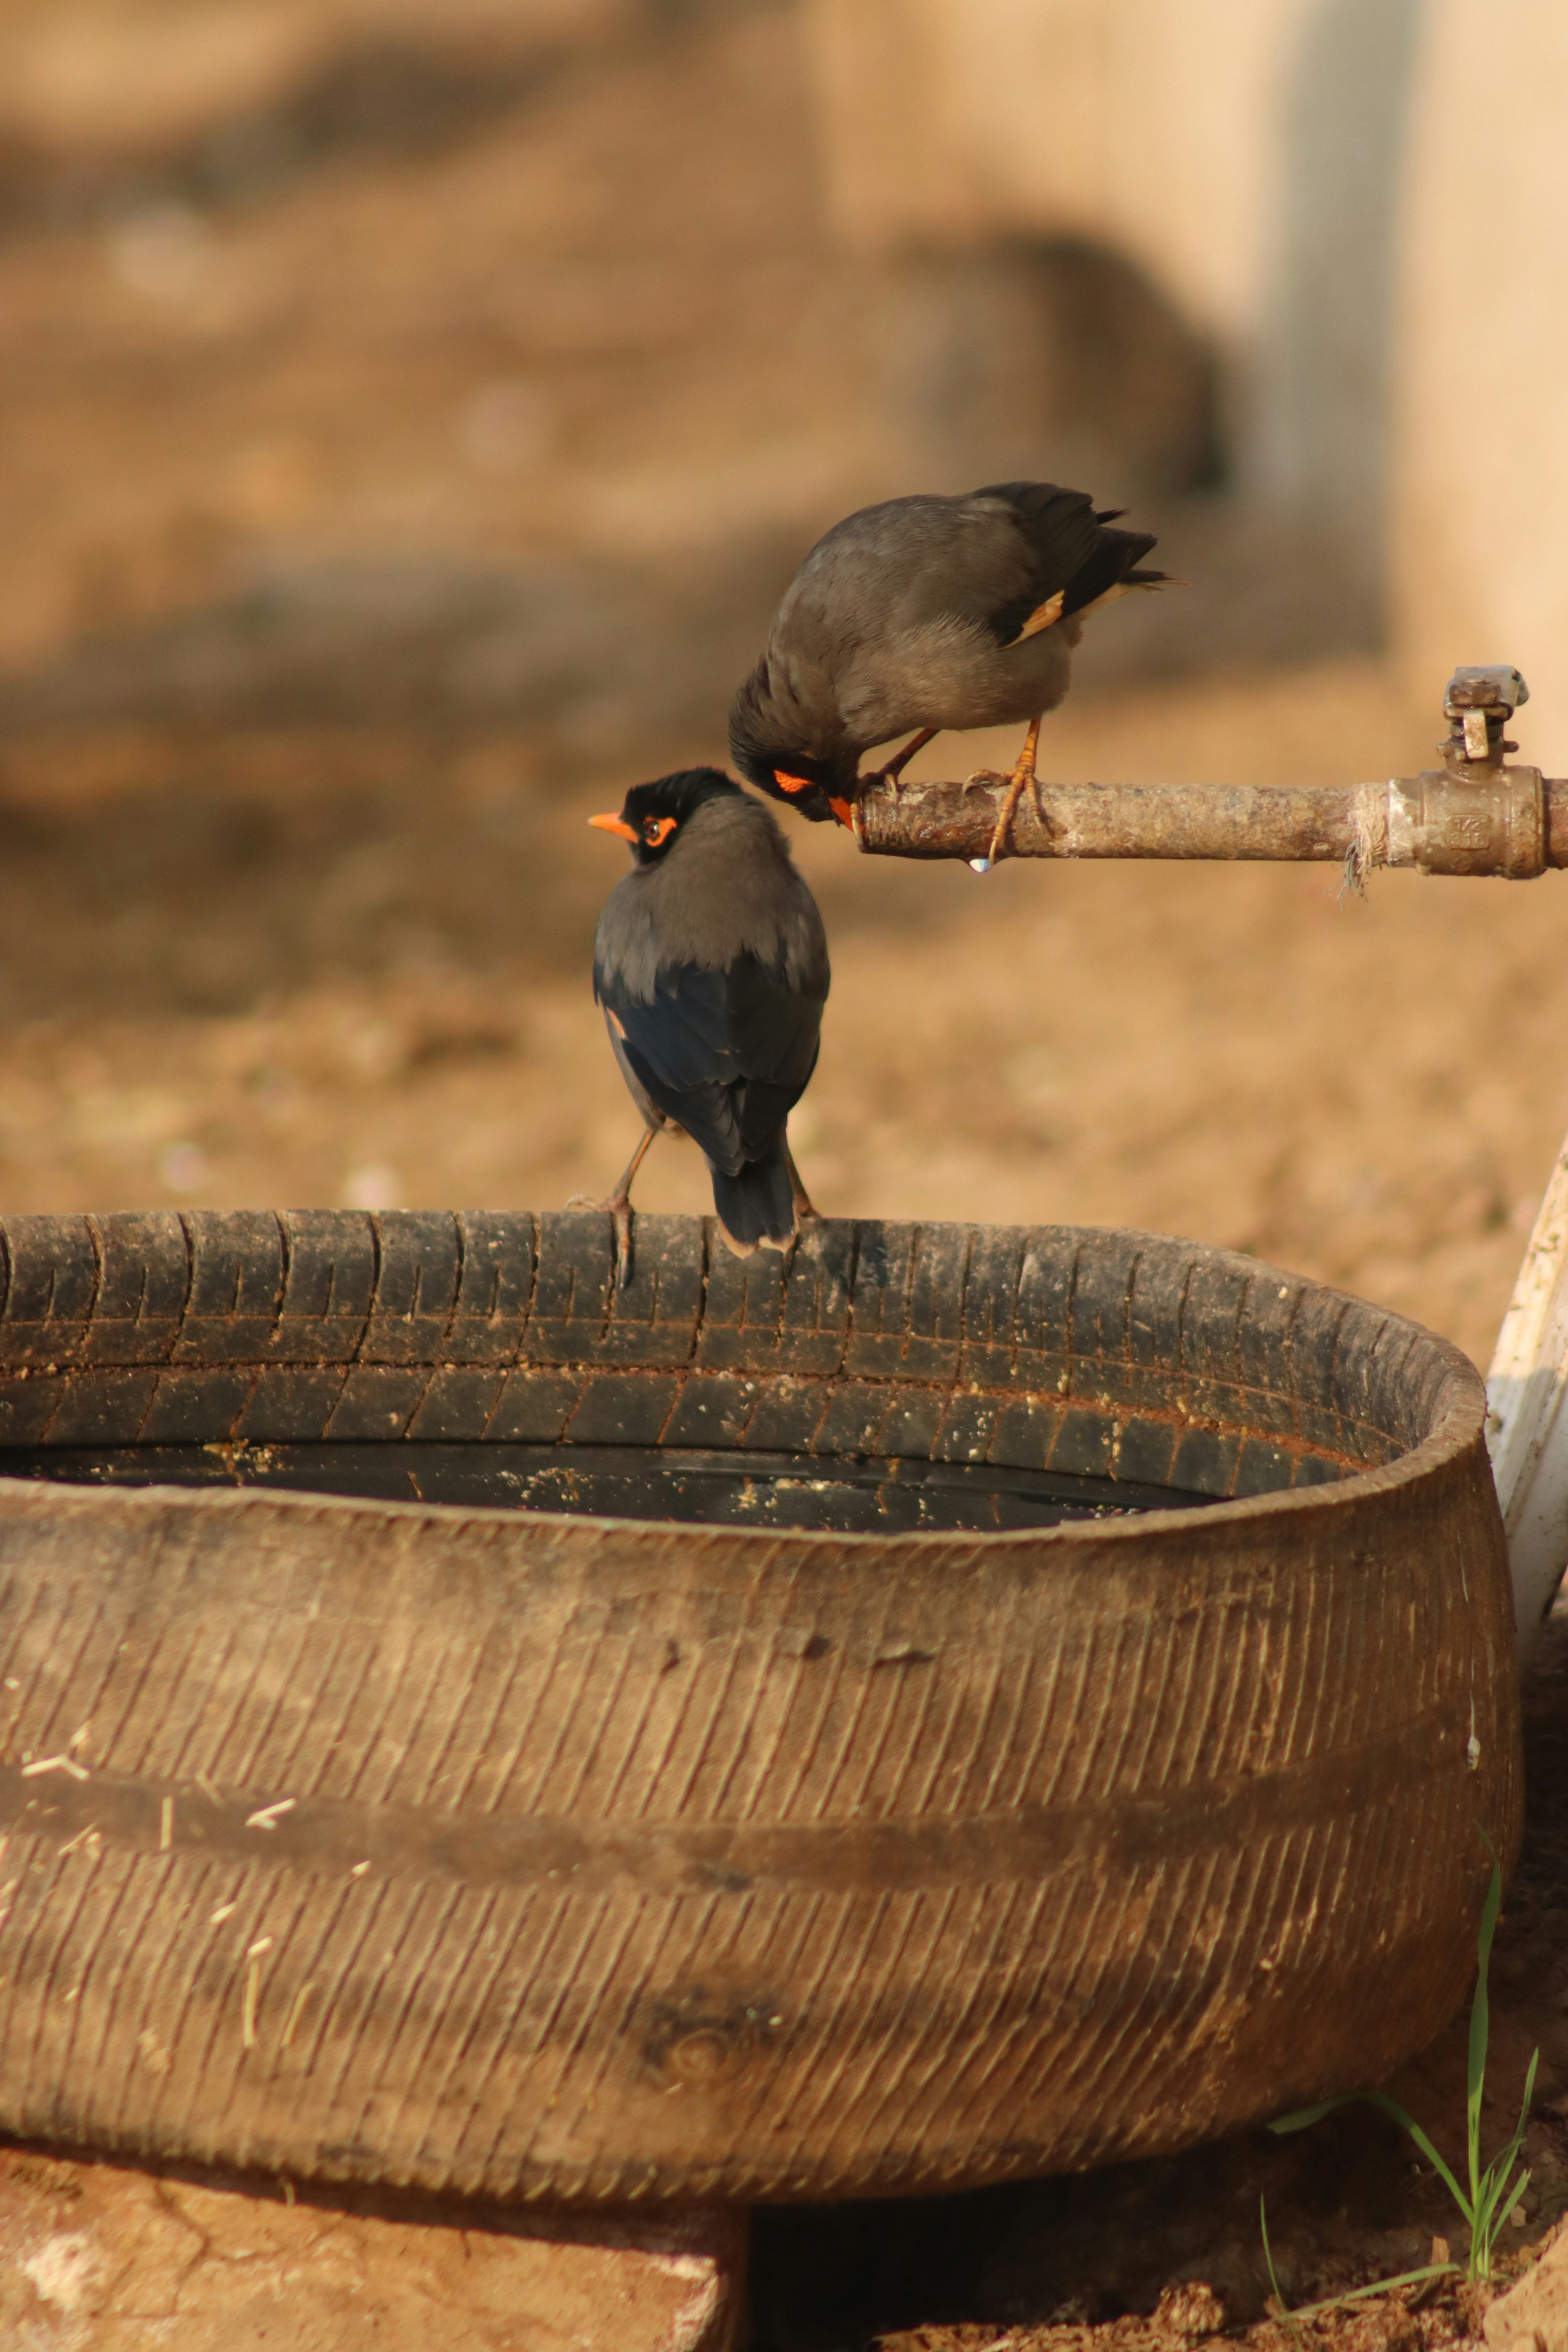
[
  {"x": 710, "y": 963},
  {"x": 926, "y": 614}
]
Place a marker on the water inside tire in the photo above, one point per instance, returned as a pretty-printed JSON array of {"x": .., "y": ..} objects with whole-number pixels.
[{"x": 831, "y": 1493}]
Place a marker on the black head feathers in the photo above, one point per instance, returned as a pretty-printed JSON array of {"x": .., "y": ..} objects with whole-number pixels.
[
  {"x": 821, "y": 789},
  {"x": 653, "y": 813}
]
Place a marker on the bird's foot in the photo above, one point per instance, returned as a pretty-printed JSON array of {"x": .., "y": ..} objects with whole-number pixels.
[
  {"x": 619, "y": 1210},
  {"x": 1001, "y": 844},
  {"x": 805, "y": 1211},
  {"x": 870, "y": 777},
  {"x": 1002, "y": 835},
  {"x": 1023, "y": 779},
  {"x": 619, "y": 1206},
  {"x": 976, "y": 782},
  {"x": 892, "y": 771}
]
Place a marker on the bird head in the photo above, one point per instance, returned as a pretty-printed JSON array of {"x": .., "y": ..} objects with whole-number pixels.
[
  {"x": 819, "y": 790},
  {"x": 774, "y": 711},
  {"x": 652, "y": 814}
]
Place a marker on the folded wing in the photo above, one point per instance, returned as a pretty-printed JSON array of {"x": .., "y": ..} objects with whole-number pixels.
[{"x": 725, "y": 1054}]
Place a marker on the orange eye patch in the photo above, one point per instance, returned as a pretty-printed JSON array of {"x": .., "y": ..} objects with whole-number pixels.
[
  {"x": 788, "y": 783},
  {"x": 658, "y": 830}
]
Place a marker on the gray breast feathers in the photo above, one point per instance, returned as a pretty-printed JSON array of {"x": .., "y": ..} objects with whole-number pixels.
[{"x": 728, "y": 888}]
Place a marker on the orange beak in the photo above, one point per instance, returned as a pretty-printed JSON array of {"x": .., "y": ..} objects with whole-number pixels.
[
  {"x": 844, "y": 811},
  {"x": 617, "y": 824}
]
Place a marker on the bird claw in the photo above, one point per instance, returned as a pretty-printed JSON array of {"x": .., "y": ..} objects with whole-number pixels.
[
  {"x": 1001, "y": 839},
  {"x": 805, "y": 1208},
  {"x": 620, "y": 1216},
  {"x": 805, "y": 1217},
  {"x": 892, "y": 771},
  {"x": 1023, "y": 776}
]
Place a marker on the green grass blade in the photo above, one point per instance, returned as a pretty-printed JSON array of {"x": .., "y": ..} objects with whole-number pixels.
[
  {"x": 1496, "y": 2174},
  {"x": 1391, "y": 2108},
  {"x": 1515, "y": 2148},
  {"x": 1378, "y": 2286},
  {"x": 1408, "y": 2125},
  {"x": 1494, "y": 2190},
  {"x": 1483, "y": 2228},
  {"x": 1286, "y": 2321},
  {"x": 1499, "y": 2189},
  {"x": 1267, "y": 2250},
  {"x": 1517, "y": 2140},
  {"x": 1500, "y": 2201},
  {"x": 1476, "y": 2067}
]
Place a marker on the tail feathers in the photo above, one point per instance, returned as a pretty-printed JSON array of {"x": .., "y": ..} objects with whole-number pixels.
[
  {"x": 1135, "y": 581},
  {"x": 756, "y": 1207},
  {"x": 1115, "y": 563}
]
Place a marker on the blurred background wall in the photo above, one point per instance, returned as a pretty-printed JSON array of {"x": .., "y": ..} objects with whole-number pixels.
[
  {"x": 1480, "y": 514},
  {"x": 1360, "y": 206},
  {"x": 366, "y": 357},
  {"x": 452, "y": 330}
]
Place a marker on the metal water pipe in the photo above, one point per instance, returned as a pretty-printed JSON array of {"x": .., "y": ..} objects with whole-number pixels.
[{"x": 1476, "y": 814}]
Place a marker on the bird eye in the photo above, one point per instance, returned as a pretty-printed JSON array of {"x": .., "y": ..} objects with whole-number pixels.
[{"x": 656, "y": 831}]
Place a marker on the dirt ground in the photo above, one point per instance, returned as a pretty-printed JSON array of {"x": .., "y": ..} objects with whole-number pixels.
[{"x": 401, "y": 448}]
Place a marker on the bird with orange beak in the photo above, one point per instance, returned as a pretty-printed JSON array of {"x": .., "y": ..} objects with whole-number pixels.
[
  {"x": 925, "y": 614},
  {"x": 710, "y": 966}
]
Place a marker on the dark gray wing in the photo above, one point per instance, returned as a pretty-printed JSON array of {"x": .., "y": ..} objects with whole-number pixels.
[
  {"x": 1070, "y": 552},
  {"x": 726, "y": 1054},
  {"x": 993, "y": 558}
]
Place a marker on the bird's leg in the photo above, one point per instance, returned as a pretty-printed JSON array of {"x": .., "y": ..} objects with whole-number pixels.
[
  {"x": 895, "y": 767},
  {"x": 1023, "y": 779},
  {"x": 619, "y": 1204},
  {"x": 805, "y": 1211}
]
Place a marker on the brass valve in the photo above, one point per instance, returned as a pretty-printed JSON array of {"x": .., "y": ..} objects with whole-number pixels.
[
  {"x": 1476, "y": 814},
  {"x": 1477, "y": 706}
]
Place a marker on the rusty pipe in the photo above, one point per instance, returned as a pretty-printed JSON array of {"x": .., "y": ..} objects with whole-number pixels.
[{"x": 1469, "y": 817}]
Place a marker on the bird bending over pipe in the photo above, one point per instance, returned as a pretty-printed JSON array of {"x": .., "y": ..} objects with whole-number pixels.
[{"x": 926, "y": 614}]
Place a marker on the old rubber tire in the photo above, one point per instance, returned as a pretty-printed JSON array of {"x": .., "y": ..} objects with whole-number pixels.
[{"x": 558, "y": 1857}]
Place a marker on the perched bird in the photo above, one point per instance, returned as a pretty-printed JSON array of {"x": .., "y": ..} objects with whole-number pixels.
[
  {"x": 928, "y": 613},
  {"x": 711, "y": 964}
]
